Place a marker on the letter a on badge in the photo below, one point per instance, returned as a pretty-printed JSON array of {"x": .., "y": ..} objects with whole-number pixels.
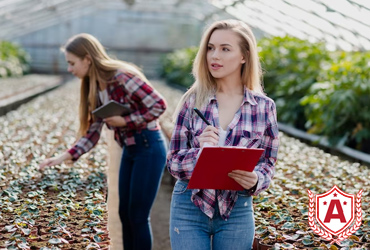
[
  {"x": 330, "y": 213},
  {"x": 335, "y": 210}
]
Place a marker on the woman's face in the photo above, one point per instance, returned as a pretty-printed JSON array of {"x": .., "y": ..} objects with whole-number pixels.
[
  {"x": 224, "y": 57},
  {"x": 77, "y": 66}
]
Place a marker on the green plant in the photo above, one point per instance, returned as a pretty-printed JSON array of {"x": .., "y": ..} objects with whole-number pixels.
[
  {"x": 291, "y": 66},
  {"x": 45, "y": 209},
  {"x": 19, "y": 230},
  {"x": 177, "y": 66},
  {"x": 14, "y": 60},
  {"x": 338, "y": 106}
]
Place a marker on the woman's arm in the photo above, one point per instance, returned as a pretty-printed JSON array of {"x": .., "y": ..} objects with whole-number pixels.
[
  {"x": 181, "y": 157},
  {"x": 88, "y": 141},
  {"x": 265, "y": 168},
  {"x": 259, "y": 180},
  {"x": 83, "y": 145},
  {"x": 151, "y": 103},
  {"x": 55, "y": 160}
]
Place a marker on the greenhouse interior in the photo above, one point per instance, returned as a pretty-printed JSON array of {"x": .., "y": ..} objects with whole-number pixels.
[{"x": 314, "y": 58}]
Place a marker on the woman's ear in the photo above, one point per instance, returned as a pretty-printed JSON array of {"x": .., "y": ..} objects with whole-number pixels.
[
  {"x": 88, "y": 59},
  {"x": 243, "y": 58}
]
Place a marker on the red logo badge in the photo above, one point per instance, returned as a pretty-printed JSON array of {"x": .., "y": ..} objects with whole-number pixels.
[{"x": 335, "y": 212}]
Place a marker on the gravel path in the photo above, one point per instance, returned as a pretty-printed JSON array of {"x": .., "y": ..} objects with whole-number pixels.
[{"x": 161, "y": 208}]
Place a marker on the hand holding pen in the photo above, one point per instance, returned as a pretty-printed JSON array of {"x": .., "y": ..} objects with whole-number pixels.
[{"x": 210, "y": 133}]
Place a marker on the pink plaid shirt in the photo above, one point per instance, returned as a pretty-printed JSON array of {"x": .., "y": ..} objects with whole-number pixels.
[
  {"x": 146, "y": 102},
  {"x": 254, "y": 126}
]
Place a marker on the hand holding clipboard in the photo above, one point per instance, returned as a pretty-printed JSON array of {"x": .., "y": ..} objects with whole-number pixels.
[{"x": 215, "y": 163}]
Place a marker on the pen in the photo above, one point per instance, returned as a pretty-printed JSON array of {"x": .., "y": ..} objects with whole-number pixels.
[{"x": 201, "y": 116}]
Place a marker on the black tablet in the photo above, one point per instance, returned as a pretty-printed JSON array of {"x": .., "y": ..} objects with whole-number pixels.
[{"x": 112, "y": 108}]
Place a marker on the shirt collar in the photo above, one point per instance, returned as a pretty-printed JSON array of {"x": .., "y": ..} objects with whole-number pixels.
[
  {"x": 211, "y": 98},
  {"x": 249, "y": 96}
]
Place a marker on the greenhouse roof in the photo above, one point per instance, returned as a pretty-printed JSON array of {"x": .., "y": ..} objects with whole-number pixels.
[
  {"x": 19, "y": 17},
  {"x": 343, "y": 24}
]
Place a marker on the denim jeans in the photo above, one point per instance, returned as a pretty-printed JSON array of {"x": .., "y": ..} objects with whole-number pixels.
[
  {"x": 191, "y": 229},
  {"x": 141, "y": 171}
]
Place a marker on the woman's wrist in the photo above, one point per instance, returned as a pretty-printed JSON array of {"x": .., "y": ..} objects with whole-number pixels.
[
  {"x": 124, "y": 122},
  {"x": 66, "y": 156},
  {"x": 253, "y": 189},
  {"x": 115, "y": 121}
]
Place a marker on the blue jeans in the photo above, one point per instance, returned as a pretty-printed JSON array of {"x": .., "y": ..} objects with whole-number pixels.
[
  {"x": 191, "y": 229},
  {"x": 141, "y": 171}
]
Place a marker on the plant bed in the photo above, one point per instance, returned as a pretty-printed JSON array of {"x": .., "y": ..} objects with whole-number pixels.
[
  {"x": 49, "y": 208},
  {"x": 281, "y": 212}
]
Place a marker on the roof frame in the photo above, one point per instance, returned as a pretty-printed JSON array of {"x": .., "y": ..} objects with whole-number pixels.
[
  {"x": 309, "y": 19},
  {"x": 342, "y": 23}
]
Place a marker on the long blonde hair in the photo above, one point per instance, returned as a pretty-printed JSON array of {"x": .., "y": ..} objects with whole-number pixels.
[
  {"x": 205, "y": 84},
  {"x": 102, "y": 69}
]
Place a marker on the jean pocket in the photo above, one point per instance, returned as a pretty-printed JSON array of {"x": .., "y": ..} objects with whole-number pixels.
[{"x": 180, "y": 187}]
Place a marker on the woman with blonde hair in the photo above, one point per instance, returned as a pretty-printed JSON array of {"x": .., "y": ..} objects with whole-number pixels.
[
  {"x": 144, "y": 151},
  {"x": 228, "y": 91}
]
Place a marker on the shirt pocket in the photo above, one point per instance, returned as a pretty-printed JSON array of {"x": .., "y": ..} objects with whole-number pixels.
[{"x": 250, "y": 139}]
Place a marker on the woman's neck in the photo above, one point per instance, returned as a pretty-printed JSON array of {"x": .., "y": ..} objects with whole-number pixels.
[
  {"x": 230, "y": 87},
  {"x": 105, "y": 78},
  {"x": 102, "y": 86}
]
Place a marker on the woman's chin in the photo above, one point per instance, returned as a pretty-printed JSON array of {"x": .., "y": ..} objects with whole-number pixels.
[{"x": 216, "y": 76}]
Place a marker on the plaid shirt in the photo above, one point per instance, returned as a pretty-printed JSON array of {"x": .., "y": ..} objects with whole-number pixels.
[
  {"x": 147, "y": 103},
  {"x": 254, "y": 126}
]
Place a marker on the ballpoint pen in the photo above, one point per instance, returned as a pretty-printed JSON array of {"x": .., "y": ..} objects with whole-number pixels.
[{"x": 201, "y": 116}]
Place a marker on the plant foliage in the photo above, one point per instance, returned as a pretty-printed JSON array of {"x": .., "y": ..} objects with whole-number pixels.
[
  {"x": 14, "y": 60},
  {"x": 338, "y": 104},
  {"x": 291, "y": 66},
  {"x": 177, "y": 66}
]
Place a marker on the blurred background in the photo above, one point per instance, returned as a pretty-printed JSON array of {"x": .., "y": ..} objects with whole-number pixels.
[{"x": 142, "y": 30}]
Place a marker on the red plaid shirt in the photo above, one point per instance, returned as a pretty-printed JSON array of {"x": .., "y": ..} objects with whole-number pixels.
[
  {"x": 147, "y": 103},
  {"x": 254, "y": 126}
]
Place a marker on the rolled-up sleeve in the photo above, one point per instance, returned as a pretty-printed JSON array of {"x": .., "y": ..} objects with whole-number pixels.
[
  {"x": 265, "y": 168},
  {"x": 88, "y": 141},
  {"x": 181, "y": 157},
  {"x": 150, "y": 103}
]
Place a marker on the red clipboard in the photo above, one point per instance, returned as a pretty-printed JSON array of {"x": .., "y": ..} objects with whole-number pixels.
[{"x": 214, "y": 164}]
